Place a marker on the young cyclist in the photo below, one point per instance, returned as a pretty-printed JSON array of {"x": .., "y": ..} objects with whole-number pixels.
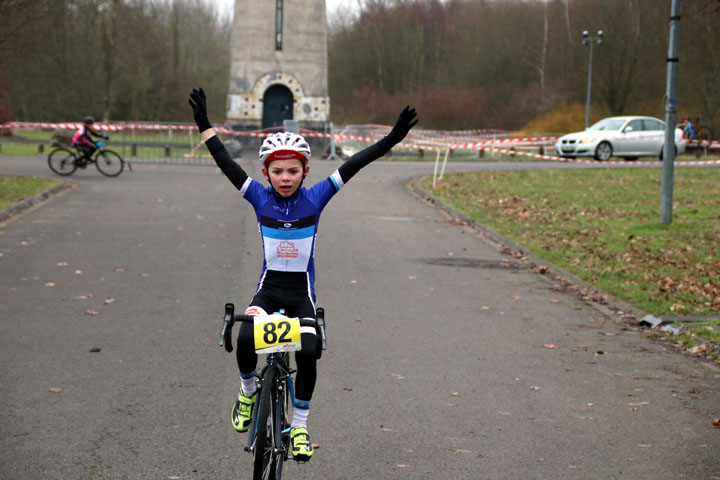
[
  {"x": 287, "y": 215},
  {"x": 82, "y": 139}
]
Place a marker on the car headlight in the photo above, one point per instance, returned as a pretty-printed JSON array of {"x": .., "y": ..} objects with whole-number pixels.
[{"x": 586, "y": 140}]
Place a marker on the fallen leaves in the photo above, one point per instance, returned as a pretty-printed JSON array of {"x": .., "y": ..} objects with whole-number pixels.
[{"x": 55, "y": 390}]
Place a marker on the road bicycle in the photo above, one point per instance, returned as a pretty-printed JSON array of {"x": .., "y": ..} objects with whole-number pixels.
[
  {"x": 694, "y": 132},
  {"x": 64, "y": 161},
  {"x": 269, "y": 434}
]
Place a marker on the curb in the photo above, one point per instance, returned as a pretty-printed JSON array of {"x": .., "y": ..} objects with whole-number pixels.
[
  {"x": 28, "y": 203},
  {"x": 601, "y": 301}
]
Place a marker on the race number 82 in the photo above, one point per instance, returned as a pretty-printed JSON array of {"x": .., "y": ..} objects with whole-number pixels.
[{"x": 279, "y": 334}]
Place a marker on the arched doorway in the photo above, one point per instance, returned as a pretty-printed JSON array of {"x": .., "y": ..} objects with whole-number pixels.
[{"x": 277, "y": 106}]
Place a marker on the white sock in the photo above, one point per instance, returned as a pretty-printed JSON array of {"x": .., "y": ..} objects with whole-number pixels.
[
  {"x": 299, "y": 417},
  {"x": 248, "y": 385}
]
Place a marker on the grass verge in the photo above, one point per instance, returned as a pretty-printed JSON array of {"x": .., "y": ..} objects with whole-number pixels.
[
  {"x": 604, "y": 226},
  {"x": 15, "y": 189}
]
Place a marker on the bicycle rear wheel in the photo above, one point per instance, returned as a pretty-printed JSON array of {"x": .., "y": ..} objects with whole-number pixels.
[
  {"x": 704, "y": 133},
  {"x": 62, "y": 161},
  {"x": 109, "y": 163},
  {"x": 265, "y": 456}
]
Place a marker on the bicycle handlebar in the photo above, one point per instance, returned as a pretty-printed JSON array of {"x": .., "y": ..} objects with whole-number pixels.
[{"x": 230, "y": 319}]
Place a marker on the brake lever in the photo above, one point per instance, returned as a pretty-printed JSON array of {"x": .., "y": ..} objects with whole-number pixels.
[{"x": 228, "y": 322}]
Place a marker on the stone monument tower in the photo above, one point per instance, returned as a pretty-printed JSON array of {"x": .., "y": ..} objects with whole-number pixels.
[{"x": 278, "y": 67}]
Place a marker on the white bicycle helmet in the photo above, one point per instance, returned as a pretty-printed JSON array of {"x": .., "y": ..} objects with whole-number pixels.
[{"x": 284, "y": 146}]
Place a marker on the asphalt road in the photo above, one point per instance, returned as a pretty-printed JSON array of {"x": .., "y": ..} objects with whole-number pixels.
[{"x": 438, "y": 367}]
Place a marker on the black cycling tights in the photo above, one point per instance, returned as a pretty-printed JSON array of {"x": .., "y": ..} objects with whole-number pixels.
[{"x": 306, "y": 360}]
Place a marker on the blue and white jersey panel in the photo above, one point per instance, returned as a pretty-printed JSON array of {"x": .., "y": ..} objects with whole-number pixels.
[
  {"x": 288, "y": 242},
  {"x": 288, "y": 226}
]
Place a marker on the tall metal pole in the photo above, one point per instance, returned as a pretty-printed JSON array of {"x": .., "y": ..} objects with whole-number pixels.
[
  {"x": 591, "y": 40},
  {"x": 587, "y": 101},
  {"x": 670, "y": 116}
]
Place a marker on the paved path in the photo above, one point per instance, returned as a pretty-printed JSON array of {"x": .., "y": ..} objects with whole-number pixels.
[{"x": 111, "y": 297}]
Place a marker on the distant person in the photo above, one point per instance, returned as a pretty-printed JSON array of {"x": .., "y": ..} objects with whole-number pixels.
[
  {"x": 288, "y": 216},
  {"x": 83, "y": 141},
  {"x": 688, "y": 131}
]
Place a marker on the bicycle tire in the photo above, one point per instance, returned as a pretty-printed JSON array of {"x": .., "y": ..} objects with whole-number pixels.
[
  {"x": 62, "y": 161},
  {"x": 264, "y": 455},
  {"x": 109, "y": 163},
  {"x": 282, "y": 419},
  {"x": 704, "y": 133}
]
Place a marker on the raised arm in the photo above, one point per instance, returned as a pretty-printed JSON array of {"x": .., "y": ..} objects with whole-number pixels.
[
  {"x": 362, "y": 158},
  {"x": 232, "y": 170}
]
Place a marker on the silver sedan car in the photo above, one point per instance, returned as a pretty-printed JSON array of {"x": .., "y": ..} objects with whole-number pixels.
[{"x": 626, "y": 137}]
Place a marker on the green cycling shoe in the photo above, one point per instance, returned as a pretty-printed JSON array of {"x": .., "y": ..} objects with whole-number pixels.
[
  {"x": 241, "y": 414},
  {"x": 302, "y": 449}
]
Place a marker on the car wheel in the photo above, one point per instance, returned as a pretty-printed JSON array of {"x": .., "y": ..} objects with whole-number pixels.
[{"x": 603, "y": 152}]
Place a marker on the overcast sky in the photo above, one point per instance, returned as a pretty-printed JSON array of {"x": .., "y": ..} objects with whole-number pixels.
[{"x": 332, "y": 5}]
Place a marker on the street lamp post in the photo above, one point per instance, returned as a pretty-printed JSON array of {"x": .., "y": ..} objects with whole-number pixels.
[{"x": 588, "y": 40}]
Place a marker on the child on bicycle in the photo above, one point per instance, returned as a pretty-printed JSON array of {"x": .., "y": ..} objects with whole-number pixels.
[
  {"x": 82, "y": 139},
  {"x": 288, "y": 216}
]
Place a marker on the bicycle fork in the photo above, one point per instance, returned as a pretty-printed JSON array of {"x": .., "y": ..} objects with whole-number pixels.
[{"x": 277, "y": 411}]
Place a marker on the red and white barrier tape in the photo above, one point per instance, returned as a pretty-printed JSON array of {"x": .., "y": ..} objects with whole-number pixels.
[
  {"x": 704, "y": 143},
  {"x": 598, "y": 162},
  {"x": 487, "y": 145}
]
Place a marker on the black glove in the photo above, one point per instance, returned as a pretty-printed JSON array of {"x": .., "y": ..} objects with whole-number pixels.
[
  {"x": 403, "y": 125},
  {"x": 199, "y": 105}
]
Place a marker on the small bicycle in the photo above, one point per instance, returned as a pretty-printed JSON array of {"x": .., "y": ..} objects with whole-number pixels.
[
  {"x": 694, "y": 132},
  {"x": 275, "y": 335},
  {"x": 64, "y": 161}
]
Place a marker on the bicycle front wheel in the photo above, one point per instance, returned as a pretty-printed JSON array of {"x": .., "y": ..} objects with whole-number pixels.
[
  {"x": 265, "y": 455},
  {"x": 109, "y": 163},
  {"x": 62, "y": 161}
]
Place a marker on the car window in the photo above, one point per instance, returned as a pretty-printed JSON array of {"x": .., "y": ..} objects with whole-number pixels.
[
  {"x": 608, "y": 124},
  {"x": 634, "y": 126},
  {"x": 653, "y": 124}
]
